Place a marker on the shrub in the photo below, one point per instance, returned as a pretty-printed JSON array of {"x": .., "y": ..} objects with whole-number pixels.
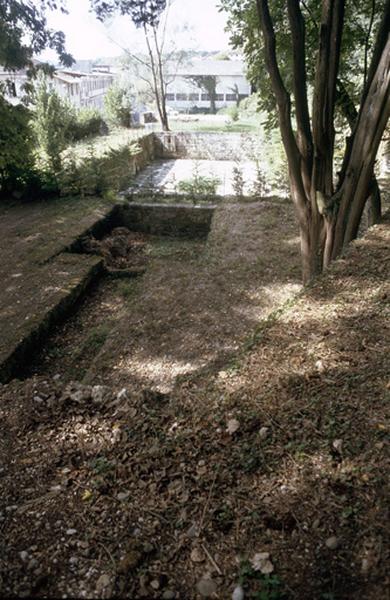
[
  {"x": 53, "y": 118},
  {"x": 96, "y": 174},
  {"x": 16, "y": 148},
  {"x": 88, "y": 122},
  {"x": 117, "y": 106}
]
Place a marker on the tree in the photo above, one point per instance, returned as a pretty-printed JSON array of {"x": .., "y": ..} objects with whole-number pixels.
[
  {"x": 145, "y": 14},
  {"x": 313, "y": 48},
  {"x": 53, "y": 118},
  {"x": 117, "y": 106},
  {"x": 23, "y": 34},
  {"x": 208, "y": 84}
]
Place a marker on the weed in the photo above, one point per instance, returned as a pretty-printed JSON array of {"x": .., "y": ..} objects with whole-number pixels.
[
  {"x": 101, "y": 465},
  {"x": 199, "y": 185},
  {"x": 268, "y": 587}
]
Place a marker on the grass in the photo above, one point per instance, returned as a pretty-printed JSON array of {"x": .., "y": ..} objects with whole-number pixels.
[{"x": 207, "y": 125}]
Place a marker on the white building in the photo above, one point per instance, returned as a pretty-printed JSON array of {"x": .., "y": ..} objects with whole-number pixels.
[
  {"x": 82, "y": 89},
  {"x": 184, "y": 94},
  {"x": 79, "y": 88}
]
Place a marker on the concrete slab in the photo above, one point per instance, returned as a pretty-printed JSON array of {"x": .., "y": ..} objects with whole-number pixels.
[{"x": 164, "y": 175}]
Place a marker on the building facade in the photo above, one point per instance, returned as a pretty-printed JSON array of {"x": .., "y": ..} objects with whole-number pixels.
[{"x": 186, "y": 93}]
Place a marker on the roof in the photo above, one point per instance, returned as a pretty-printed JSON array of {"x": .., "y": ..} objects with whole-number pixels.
[{"x": 212, "y": 67}]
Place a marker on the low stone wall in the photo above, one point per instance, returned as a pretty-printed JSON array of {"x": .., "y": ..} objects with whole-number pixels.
[
  {"x": 208, "y": 146},
  {"x": 179, "y": 220},
  {"x": 146, "y": 154}
]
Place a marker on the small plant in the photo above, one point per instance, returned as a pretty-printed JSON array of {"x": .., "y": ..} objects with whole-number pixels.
[
  {"x": 199, "y": 185},
  {"x": 271, "y": 588},
  {"x": 259, "y": 184},
  {"x": 101, "y": 465},
  {"x": 238, "y": 180}
]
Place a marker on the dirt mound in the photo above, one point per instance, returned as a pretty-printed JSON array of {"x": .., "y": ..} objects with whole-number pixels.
[{"x": 121, "y": 248}]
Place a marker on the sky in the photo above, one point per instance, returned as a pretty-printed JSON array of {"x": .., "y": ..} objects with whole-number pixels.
[{"x": 194, "y": 24}]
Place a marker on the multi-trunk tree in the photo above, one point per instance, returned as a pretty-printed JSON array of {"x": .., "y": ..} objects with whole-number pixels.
[{"x": 321, "y": 50}]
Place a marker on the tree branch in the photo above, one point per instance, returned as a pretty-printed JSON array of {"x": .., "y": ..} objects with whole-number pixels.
[{"x": 305, "y": 141}]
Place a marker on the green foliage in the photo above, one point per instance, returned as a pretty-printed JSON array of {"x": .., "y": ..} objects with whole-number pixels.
[
  {"x": 53, "y": 118},
  {"x": 117, "y": 106},
  {"x": 16, "y": 148},
  {"x": 24, "y": 33},
  {"x": 358, "y": 35},
  {"x": 199, "y": 185},
  {"x": 88, "y": 122},
  {"x": 238, "y": 180},
  {"x": 271, "y": 588},
  {"x": 94, "y": 173}
]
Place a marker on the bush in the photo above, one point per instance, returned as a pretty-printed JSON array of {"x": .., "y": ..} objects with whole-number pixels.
[
  {"x": 16, "y": 148},
  {"x": 117, "y": 106},
  {"x": 88, "y": 122},
  {"x": 97, "y": 174}
]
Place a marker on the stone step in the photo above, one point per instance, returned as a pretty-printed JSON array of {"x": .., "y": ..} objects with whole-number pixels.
[{"x": 34, "y": 302}]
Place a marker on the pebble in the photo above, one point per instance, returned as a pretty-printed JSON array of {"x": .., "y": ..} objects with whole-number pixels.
[
  {"x": 123, "y": 496},
  {"x": 332, "y": 543},
  {"x": 71, "y": 531},
  {"x": 263, "y": 433},
  {"x": 102, "y": 582},
  {"x": 122, "y": 395},
  {"x": 169, "y": 595},
  {"x": 206, "y": 587},
  {"x": 23, "y": 555},
  {"x": 238, "y": 593},
  {"x": 197, "y": 556}
]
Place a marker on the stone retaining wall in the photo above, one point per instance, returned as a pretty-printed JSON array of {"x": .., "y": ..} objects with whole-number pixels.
[
  {"x": 200, "y": 145},
  {"x": 179, "y": 220}
]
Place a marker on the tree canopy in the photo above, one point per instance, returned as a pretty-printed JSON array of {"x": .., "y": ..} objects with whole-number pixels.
[{"x": 24, "y": 33}]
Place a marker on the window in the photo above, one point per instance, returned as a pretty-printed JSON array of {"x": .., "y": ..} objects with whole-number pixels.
[
  {"x": 193, "y": 97},
  {"x": 219, "y": 97},
  {"x": 231, "y": 97},
  {"x": 170, "y": 97},
  {"x": 181, "y": 97},
  {"x": 205, "y": 97},
  {"x": 242, "y": 96}
]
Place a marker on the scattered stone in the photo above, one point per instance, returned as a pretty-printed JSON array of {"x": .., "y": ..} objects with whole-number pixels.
[
  {"x": 102, "y": 582},
  {"x": 206, "y": 587},
  {"x": 23, "y": 555},
  {"x": 238, "y": 593},
  {"x": 263, "y": 433},
  {"x": 261, "y": 562},
  {"x": 155, "y": 584},
  {"x": 97, "y": 393},
  {"x": 197, "y": 555},
  {"x": 332, "y": 543},
  {"x": 169, "y": 595},
  {"x": 123, "y": 496},
  {"x": 232, "y": 426},
  {"x": 338, "y": 445},
  {"x": 71, "y": 531},
  {"x": 56, "y": 377},
  {"x": 122, "y": 395}
]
